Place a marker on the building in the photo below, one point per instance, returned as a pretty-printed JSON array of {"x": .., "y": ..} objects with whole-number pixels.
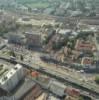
[
  {"x": 33, "y": 93},
  {"x": 16, "y": 39},
  {"x": 35, "y": 74},
  {"x": 57, "y": 88},
  {"x": 3, "y": 93},
  {"x": 35, "y": 22},
  {"x": 3, "y": 43},
  {"x": 33, "y": 39},
  {"x": 84, "y": 46},
  {"x": 10, "y": 78},
  {"x": 64, "y": 31},
  {"x": 24, "y": 89},
  {"x": 76, "y": 13},
  {"x": 72, "y": 92}
]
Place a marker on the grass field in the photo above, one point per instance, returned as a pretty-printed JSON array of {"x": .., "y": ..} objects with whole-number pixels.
[
  {"x": 38, "y": 5},
  {"x": 34, "y": 3}
]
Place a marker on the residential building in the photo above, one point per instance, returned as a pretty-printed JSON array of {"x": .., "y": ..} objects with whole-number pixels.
[
  {"x": 11, "y": 78},
  {"x": 84, "y": 46},
  {"x": 33, "y": 39},
  {"x": 16, "y": 39}
]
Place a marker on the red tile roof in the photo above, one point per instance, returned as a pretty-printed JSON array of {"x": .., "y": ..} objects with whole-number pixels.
[
  {"x": 72, "y": 92},
  {"x": 84, "y": 46},
  {"x": 34, "y": 74}
]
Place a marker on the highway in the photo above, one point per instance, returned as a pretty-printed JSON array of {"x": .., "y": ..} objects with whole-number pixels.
[{"x": 61, "y": 77}]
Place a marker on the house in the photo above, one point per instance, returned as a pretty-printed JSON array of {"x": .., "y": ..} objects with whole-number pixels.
[
  {"x": 35, "y": 74},
  {"x": 84, "y": 46},
  {"x": 49, "y": 11}
]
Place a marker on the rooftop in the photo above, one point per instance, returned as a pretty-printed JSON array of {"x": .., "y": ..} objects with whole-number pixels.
[
  {"x": 33, "y": 32},
  {"x": 64, "y": 31},
  {"x": 35, "y": 22},
  {"x": 6, "y": 73},
  {"x": 57, "y": 84},
  {"x": 23, "y": 88},
  {"x": 33, "y": 93},
  {"x": 84, "y": 45},
  {"x": 2, "y": 92}
]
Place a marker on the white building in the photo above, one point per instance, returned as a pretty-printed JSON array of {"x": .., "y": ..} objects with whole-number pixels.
[
  {"x": 57, "y": 88},
  {"x": 9, "y": 81},
  {"x": 64, "y": 31}
]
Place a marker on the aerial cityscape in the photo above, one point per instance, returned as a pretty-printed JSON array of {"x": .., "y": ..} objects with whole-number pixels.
[{"x": 49, "y": 49}]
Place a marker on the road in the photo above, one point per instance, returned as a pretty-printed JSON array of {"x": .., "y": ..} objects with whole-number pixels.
[{"x": 61, "y": 77}]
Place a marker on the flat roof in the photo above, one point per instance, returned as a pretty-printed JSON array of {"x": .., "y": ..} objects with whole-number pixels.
[
  {"x": 64, "y": 31},
  {"x": 6, "y": 73},
  {"x": 23, "y": 88},
  {"x": 7, "y": 76},
  {"x": 35, "y": 22},
  {"x": 33, "y": 32},
  {"x": 57, "y": 84}
]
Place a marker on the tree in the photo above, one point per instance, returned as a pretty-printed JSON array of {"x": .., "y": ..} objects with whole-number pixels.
[
  {"x": 81, "y": 5},
  {"x": 97, "y": 79},
  {"x": 12, "y": 53},
  {"x": 81, "y": 98}
]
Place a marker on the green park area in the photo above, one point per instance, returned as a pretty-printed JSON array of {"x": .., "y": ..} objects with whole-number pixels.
[
  {"x": 35, "y": 3},
  {"x": 38, "y": 5}
]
